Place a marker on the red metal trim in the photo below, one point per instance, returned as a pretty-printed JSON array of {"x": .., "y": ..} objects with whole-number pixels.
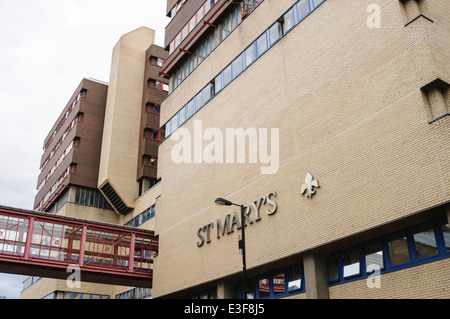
[
  {"x": 55, "y": 242},
  {"x": 82, "y": 246},
  {"x": 131, "y": 250}
]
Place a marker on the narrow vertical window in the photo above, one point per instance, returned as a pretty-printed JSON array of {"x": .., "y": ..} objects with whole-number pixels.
[
  {"x": 227, "y": 75},
  {"x": 261, "y": 44},
  {"x": 238, "y": 65},
  {"x": 250, "y": 55},
  {"x": 425, "y": 241},
  {"x": 303, "y": 9},
  {"x": 264, "y": 287},
  {"x": 275, "y": 32},
  {"x": 295, "y": 278},
  {"x": 351, "y": 262},
  {"x": 398, "y": 249},
  {"x": 218, "y": 83},
  {"x": 333, "y": 266},
  {"x": 289, "y": 20},
  {"x": 374, "y": 256}
]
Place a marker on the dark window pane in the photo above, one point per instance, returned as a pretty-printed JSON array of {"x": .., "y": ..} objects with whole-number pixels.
[
  {"x": 333, "y": 266},
  {"x": 264, "y": 287},
  {"x": 425, "y": 241}
]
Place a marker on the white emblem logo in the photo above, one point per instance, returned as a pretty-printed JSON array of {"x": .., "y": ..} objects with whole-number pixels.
[{"x": 310, "y": 184}]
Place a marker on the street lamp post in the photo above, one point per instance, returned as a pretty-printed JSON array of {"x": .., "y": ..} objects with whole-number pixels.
[{"x": 224, "y": 202}]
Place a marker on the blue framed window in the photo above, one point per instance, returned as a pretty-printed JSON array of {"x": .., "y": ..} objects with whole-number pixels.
[
  {"x": 303, "y": 9},
  {"x": 198, "y": 101},
  {"x": 143, "y": 217},
  {"x": 250, "y": 54},
  {"x": 238, "y": 65},
  {"x": 262, "y": 44},
  {"x": 412, "y": 246},
  {"x": 275, "y": 33},
  {"x": 227, "y": 75},
  {"x": 218, "y": 83},
  {"x": 278, "y": 283}
]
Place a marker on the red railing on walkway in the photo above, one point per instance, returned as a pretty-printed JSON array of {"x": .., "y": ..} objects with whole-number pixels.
[{"x": 39, "y": 244}]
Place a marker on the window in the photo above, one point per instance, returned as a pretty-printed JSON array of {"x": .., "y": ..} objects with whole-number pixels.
[
  {"x": 289, "y": 20},
  {"x": 238, "y": 65},
  {"x": 149, "y": 161},
  {"x": 261, "y": 44},
  {"x": 227, "y": 75},
  {"x": 316, "y": 3},
  {"x": 190, "y": 109},
  {"x": 374, "y": 256},
  {"x": 333, "y": 266},
  {"x": 182, "y": 115},
  {"x": 415, "y": 245},
  {"x": 279, "y": 282},
  {"x": 302, "y": 9},
  {"x": 152, "y": 108},
  {"x": 292, "y": 17},
  {"x": 218, "y": 83},
  {"x": 398, "y": 249},
  {"x": 351, "y": 262},
  {"x": 198, "y": 101},
  {"x": 295, "y": 278},
  {"x": 275, "y": 284},
  {"x": 445, "y": 228},
  {"x": 275, "y": 32},
  {"x": 250, "y": 54},
  {"x": 425, "y": 241},
  {"x": 154, "y": 134},
  {"x": 90, "y": 197},
  {"x": 208, "y": 92},
  {"x": 264, "y": 287}
]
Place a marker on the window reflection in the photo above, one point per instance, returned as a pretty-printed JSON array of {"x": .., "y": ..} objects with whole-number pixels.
[
  {"x": 251, "y": 289},
  {"x": 446, "y": 234},
  {"x": 289, "y": 20},
  {"x": 275, "y": 32},
  {"x": 250, "y": 55},
  {"x": 295, "y": 278},
  {"x": 333, "y": 266},
  {"x": 425, "y": 241},
  {"x": 351, "y": 262},
  {"x": 302, "y": 9},
  {"x": 374, "y": 256},
  {"x": 264, "y": 287},
  {"x": 398, "y": 249},
  {"x": 279, "y": 282}
]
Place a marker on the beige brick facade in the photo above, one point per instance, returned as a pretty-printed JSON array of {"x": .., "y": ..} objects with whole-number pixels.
[
  {"x": 365, "y": 110},
  {"x": 348, "y": 103}
]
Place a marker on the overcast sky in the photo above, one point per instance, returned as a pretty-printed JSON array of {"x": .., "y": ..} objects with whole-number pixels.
[{"x": 46, "y": 48}]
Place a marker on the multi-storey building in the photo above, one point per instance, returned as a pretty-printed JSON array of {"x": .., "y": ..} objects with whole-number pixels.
[
  {"x": 88, "y": 138},
  {"x": 326, "y": 122},
  {"x": 329, "y": 121}
]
